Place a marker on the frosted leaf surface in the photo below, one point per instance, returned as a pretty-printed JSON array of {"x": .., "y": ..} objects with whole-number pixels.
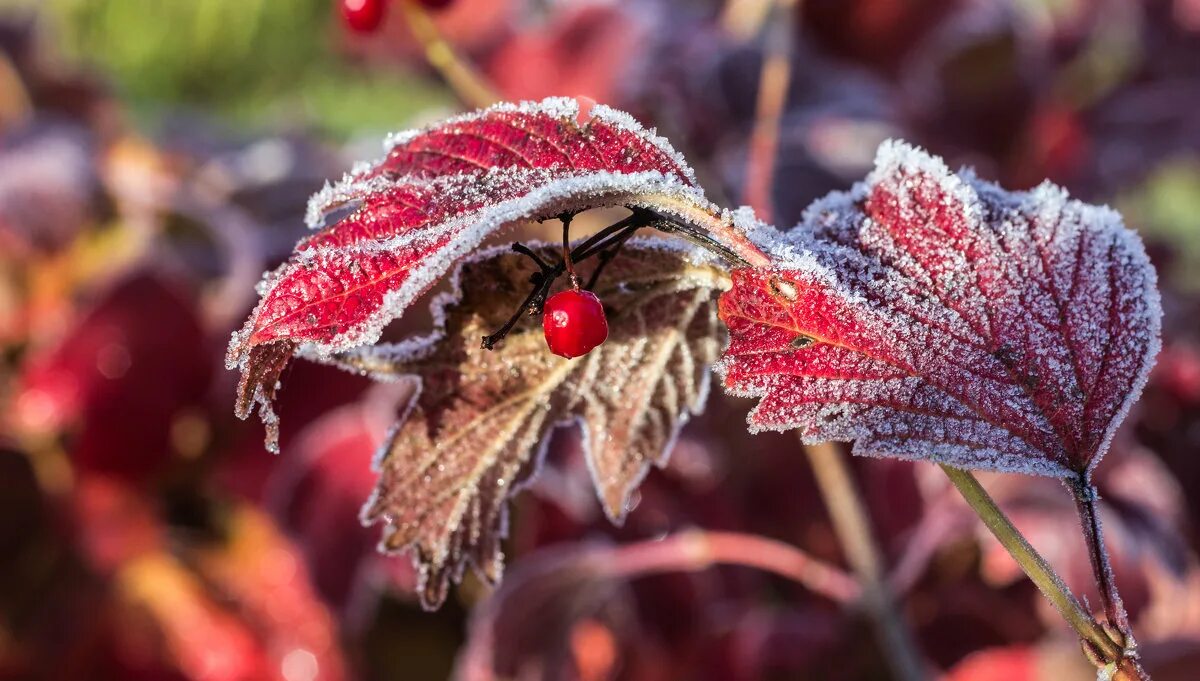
[
  {"x": 474, "y": 434},
  {"x": 931, "y": 315},
  {"x": 434, "y": 196}
]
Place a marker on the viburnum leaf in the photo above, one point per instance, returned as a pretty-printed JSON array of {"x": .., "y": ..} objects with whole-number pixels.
[
  {"x": 474, "y": 434},
  {"x": 431, "y": 200},
  {"x": 929, "y": 315}
]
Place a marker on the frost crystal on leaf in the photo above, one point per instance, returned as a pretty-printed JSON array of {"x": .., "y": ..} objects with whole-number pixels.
[
  {"x": 475, "y": 432},
  {"x": 430, "y": 201},
  {"x": 929, "y": 315}
]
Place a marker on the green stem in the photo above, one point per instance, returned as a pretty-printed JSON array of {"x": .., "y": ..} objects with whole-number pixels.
[
  {"x": 1034, "y": 565},
  {"x": 853, "y": 529}
]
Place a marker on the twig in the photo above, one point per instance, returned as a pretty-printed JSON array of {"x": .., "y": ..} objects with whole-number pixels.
[
  {"x": 693, "y": 550},
  {"x": 1114, "y": 609},
  {"x": 773, "y": 82},
  {"x": 542, "y": 280},
  {"x": 744, "y": 18},
  {"x": 605, "y": 256},
  {"x": 525, "y": 250},
  {"x": 565, "y": 218},
  {"x": 466, "y": 82},
  {"x": 539, "y": 289},
  {"x": 686, "y": 551},
  {"x": 1093, "y": 535},
  {"x": 1034, "y": 565},
  {"x": 853, "y": 530}
]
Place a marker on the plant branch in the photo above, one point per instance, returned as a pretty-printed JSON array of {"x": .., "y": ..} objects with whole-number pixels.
[
  {"x": 1093, "y": 534},
  {"x": 605, "y": 256},
  {"x": 1034, "y": 565},
  {"x": 466, "y": 82},
  {"x": 850, "y": 522},
  {"x": 774, "y": 76},
  {"x": 687, "y": 551},
  {"x": 543, "y": 279},
  {"x": 742, "y": 19},
  {"x": 693, "y": 550},
  {"x": 1089, "y": 517},
  {"x": 1102, "y": 571}
]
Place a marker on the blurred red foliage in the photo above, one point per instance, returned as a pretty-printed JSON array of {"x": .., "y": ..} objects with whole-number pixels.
[{"x": 146, "y": 535}]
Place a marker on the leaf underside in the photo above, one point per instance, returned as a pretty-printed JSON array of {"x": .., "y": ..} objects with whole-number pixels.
[
  {"x": 475, "y": 432},
  {"x": 430, "y": 201},
  {"x": 929, "y": 315}
]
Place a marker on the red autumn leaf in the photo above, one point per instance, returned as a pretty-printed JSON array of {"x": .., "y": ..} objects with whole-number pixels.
[
  {"x": 431, "y": 200},
  {"x": 929, "y": 315}
]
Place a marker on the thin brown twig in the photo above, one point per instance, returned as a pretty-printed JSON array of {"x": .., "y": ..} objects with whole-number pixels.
[
  {"x": 853, "y": 530},
  {"x": 773, "y": 83},
  {"x": 470, "y": 86},
  {"x": 743, "y": 19},
  {"x": 693, "y": 550}
]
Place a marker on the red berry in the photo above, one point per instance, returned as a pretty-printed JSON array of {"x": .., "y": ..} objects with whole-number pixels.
[
  {"x": 363, "y": 16},
  {"x": 574, "y": 323}
]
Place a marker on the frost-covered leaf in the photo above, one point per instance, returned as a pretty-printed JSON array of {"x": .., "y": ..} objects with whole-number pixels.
[
  {"x": 431, "y": 200},
  {"x": 929, "y": 315},
  {"x": 474, "y": 434}
]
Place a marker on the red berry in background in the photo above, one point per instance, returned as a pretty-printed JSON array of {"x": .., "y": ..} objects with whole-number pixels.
[
  {"x": 574, "y": 323},
  {"x": 363, "y": 16},
  {"x": 436, "y": 4}
]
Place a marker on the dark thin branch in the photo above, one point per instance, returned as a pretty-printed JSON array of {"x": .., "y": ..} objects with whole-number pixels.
[
  {"x": 525, "y": 250},
  {"x": 605, "y": 256},
  {"x": 639, "y": 217},
  {"x": 489, "y": 342},
  {"x": 1089, "y": 517},
  {"x": 604, "y": 243},
  {"x": 599, "y": 243}
]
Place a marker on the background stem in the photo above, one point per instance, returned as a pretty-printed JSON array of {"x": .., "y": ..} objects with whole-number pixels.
[
  {"x": 693, "y": 550},
  {"x": 467, "y": 83},
  {"x": 853, "y": 529},
  {"x": 1033, "y": 564},
  {"x": 773, "y": 80}
]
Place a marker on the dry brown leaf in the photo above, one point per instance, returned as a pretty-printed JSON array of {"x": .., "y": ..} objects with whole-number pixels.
[{"x": 477, "y": 428}]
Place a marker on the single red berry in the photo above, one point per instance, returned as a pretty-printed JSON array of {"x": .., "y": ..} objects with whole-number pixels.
[
  {"x": 574, "y": 323},
  {"x": 363, "y": 16}
]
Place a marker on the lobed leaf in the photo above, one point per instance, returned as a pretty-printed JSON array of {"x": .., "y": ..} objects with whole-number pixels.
[
  {"x": 431, "y": 200},
  {"x": 476, "y": 431},
  {"x": 928, "y": 315}
]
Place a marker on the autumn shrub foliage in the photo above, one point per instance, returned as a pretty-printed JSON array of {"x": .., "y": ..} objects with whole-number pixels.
[
  {"x": 923, "y": 314},
  {"x": 677, "y": 499}
]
